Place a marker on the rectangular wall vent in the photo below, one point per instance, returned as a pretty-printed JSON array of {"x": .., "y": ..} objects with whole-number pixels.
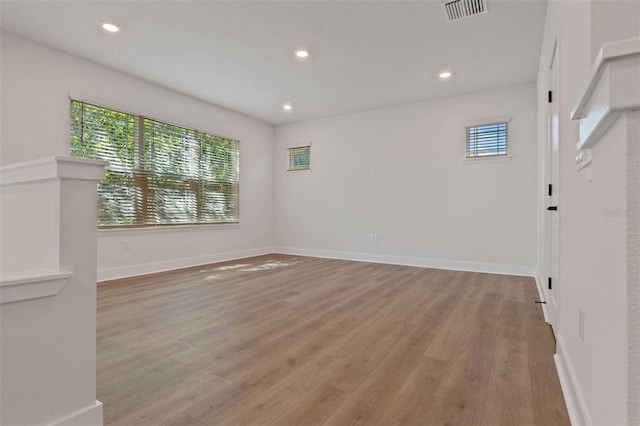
[{"x": 459, "y": 9}]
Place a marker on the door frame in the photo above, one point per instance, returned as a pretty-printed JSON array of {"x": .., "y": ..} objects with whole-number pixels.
[{"x": 551, "y": 257}]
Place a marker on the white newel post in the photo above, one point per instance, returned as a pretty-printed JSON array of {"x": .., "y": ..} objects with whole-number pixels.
[
  {"x": 48, "y": 292},
  {"x": 608, "y": 155}
]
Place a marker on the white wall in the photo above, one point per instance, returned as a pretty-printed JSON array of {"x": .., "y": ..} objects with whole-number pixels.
[
  {"x": 427, "y": 206},
  {"x": 592, "y": 245},
  {"x": 36, "y": 81},
  {"x": 613, "y": 22}
]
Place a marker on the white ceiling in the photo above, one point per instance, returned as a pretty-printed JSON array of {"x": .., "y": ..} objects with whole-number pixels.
[{"x": 239, "y": 54}]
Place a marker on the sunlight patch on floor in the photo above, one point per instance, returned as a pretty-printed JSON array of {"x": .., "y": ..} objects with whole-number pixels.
[
  {"x": 269, "y": 265},
  {"x": 213, "y": 277},
  {"x": 231, "y": 267}
]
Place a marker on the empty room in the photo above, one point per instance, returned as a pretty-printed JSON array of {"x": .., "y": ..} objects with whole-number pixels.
[{"x": 320, "y": 213}]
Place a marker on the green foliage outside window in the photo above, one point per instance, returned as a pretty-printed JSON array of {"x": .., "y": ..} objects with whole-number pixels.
[{"x": 159, "y": 173}]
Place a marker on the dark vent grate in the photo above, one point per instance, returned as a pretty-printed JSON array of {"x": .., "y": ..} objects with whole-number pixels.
[{"x": 459, "y": 9}]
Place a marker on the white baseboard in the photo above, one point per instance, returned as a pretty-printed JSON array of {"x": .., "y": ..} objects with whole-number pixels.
[
  {"x": 149, "y": 268},
  {"x": 545, "y": 308},
  {"x": 493, "y": 268},
  {"x": 89, "y": 416},
  {"x": 576, "y": 406},
  {"x": 168, "y": 265}
]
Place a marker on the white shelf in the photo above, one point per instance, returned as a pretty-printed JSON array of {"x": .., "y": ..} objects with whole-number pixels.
[
  {"x": 32, "y": 286},
  {"x": 52, "y": 168},
  {"x": 614, "y": 87}
]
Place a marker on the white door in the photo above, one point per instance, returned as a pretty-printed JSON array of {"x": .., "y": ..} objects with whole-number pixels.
[{"x": 552, "y": 286}]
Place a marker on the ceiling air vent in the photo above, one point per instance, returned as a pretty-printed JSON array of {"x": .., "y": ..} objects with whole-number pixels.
[{"x": 459, "y": 9}]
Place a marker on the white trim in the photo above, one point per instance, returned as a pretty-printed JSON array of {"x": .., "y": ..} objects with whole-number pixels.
[
  {"x": 32, "y": 286},
  {"x": 169, "y": 265},
  {"x": 608, "y": 52},
  {"x": 298, "y": 145},
  {"x": 457, "y": 265},
  {"x": 88, "y": 416},
  {"x": 487, "y": 159},
  {"x": 611, "y": 90},
  {"x": 576, "y": 405},
  {"x": 542, "y": 299},
  {"x": 298, "y": 172},
  {"x": 583, "y": 163},
  {"x": 598, "y": 126},
  {"x": 169, "y": 228},
  {"x": 52, "y": 168}
]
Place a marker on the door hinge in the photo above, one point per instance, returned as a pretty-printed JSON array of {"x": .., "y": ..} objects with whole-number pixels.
[
  {"x": 549, "y": 283},
  {"x": 550, "y": 190},
  {"x": 550, "y": 96}
]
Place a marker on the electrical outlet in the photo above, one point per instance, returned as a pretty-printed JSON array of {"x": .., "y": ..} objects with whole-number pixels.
[
  {"x": 373, "y": 238},
  {"x": 125, "y": 245},
  {"x": 581, "y": 324}
]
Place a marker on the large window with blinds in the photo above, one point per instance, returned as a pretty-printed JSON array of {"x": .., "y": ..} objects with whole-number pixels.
[
  {"x": 159, "y": 173},
  {"x": 487, "y": 140}
]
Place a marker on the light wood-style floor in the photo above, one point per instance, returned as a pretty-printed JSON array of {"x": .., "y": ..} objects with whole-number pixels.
[{"x": 283, "y": 340}]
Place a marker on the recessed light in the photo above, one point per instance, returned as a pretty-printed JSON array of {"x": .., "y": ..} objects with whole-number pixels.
[
  {"x": 287, "y": 107},
  {"x": 444, "y": 74},
  {"x": 111, "y": 27},
  {"x": 302, "y": 53}
]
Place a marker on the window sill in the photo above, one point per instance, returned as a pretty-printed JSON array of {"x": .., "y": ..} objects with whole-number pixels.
[
  {"x": 169, "y": 228},
  {"x": 487, "y": 159},
  {"x": 298, "y": 172}
]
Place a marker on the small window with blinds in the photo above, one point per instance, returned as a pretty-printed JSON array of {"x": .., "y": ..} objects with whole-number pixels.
[
  {"x": 299, "y": 158},
  {"x": 487, "y": 140},
  {"x": 159, "y": 173}
]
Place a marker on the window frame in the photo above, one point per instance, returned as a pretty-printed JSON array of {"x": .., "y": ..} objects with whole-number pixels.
[
  {"x": 140, "y": 152},
  {"x": 488, "y": 122},
  {"x": 288, "y": 152}
]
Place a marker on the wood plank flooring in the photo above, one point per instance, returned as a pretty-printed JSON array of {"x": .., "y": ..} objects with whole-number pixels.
[{"x": 284, "y": 340}]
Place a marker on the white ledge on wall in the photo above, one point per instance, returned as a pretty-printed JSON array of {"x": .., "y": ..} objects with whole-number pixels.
[
  {"x": 614, "y": 87},
  {"x": 32, "y": 286},
  {"x": 52, "y": 168}
]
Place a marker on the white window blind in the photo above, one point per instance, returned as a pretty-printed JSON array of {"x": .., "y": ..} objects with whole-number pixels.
[
  {"x": 159, "y": 173},
  {"x": 299, "y": 158},
  {"x": 487, "y": 140}
]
